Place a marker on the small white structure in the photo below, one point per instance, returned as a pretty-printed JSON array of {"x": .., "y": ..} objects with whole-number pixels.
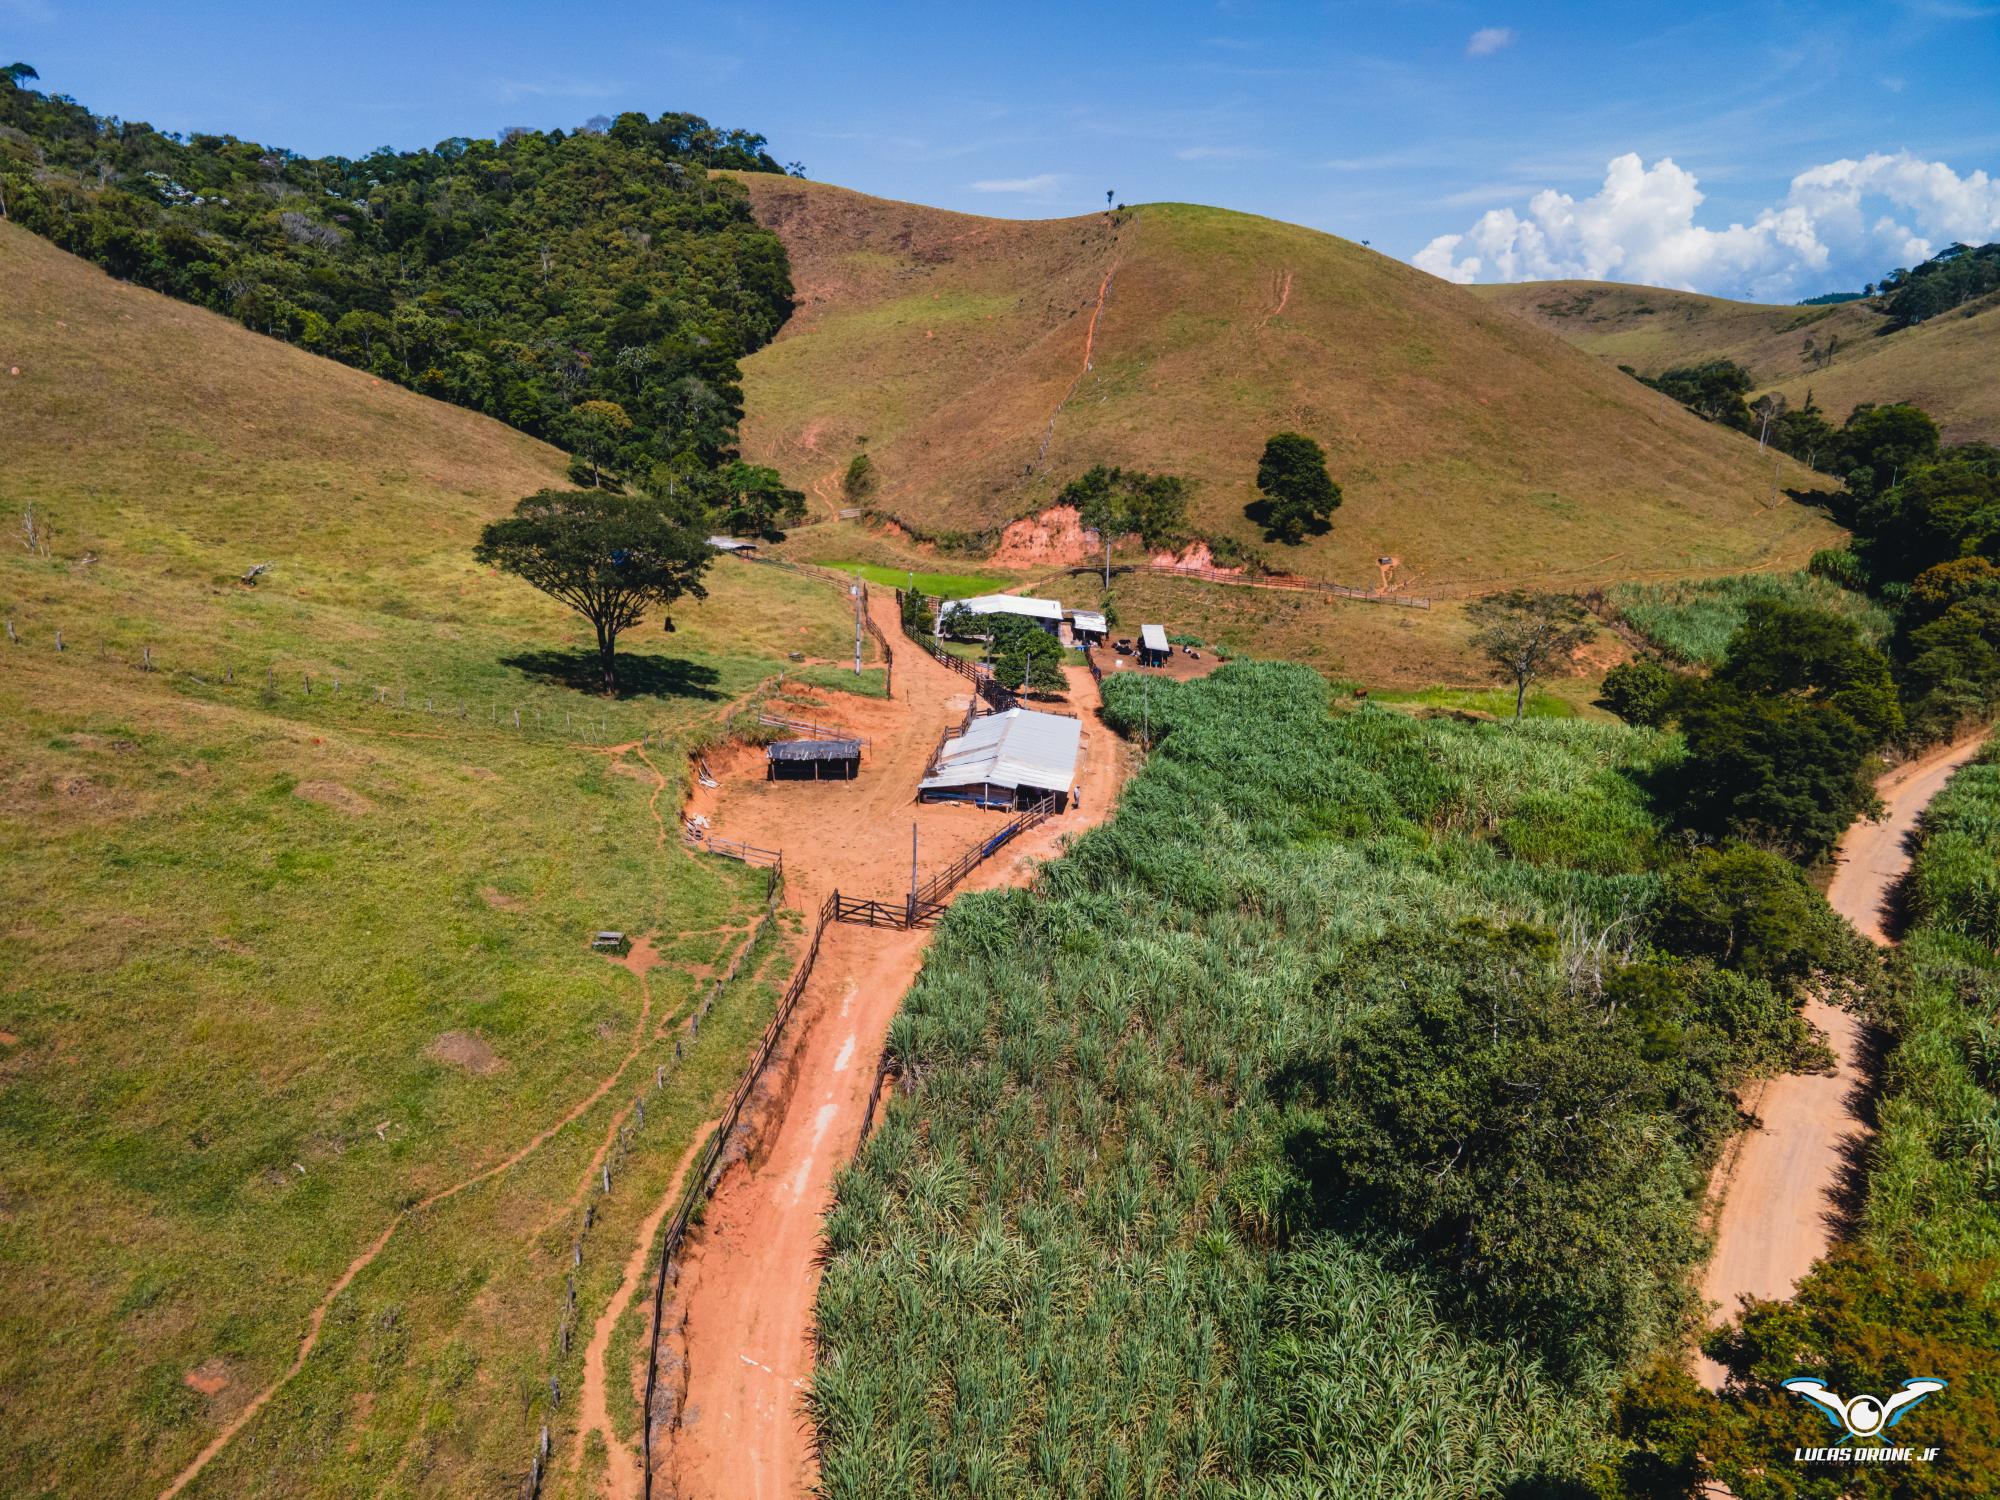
[
  {"x": 1009, "y": 759},
  {"x": 1047, "y": 613},
  {"x": 1153, "y": 648},
  {"x": 1087, "y": 625},
  {"x": 732, "y": 544}
]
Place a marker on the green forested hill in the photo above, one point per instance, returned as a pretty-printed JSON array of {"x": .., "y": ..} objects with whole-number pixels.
[{"x": 534, "y": 278}]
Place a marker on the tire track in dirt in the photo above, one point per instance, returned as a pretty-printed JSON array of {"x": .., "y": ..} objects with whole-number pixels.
[
  {"x": 1773, "y": 1195},
  {"x": 642, "y": 957},
  {"x": 745, "y": 1285}
]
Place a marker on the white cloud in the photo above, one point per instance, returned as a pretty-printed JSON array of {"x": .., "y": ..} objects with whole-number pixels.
[
  {"x": 1047, "y": 182},
  {"x": 1488, "y": 40},
  {"x": 1830, "y": 231}
]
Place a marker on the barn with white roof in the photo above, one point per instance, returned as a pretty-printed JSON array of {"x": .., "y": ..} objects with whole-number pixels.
[
  {"x": 1047, "y": 613},
  {"x": 1011, "y": 759}
]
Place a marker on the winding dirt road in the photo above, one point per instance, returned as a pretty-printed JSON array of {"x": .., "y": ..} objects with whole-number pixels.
[
  {"x": 738, "y": 1352},
  {"x": 1775, "y": 1188}
]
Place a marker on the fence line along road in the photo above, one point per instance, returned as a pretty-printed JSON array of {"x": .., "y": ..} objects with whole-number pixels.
[{"x": 702, "y": 1179}]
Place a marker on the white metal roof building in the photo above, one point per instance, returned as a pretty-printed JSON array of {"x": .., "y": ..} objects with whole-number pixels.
[
  {"x": 1153, "y": 647},
  {"x": 731, "y": 544},
  {"x": 1047, "y": 613},
  {"x": 1007, "y": 760},
  {"x": 1088, "y": 622}
]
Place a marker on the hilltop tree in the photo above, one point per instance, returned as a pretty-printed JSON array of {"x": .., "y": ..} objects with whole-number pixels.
[
  {"x": 593, "y": 430},
  {"x": 607, "y": 557},
  {"x": 1299, "y": 494},
  {"x": 1116, "y": 502},
  {"x": 1525, "y": 634}
]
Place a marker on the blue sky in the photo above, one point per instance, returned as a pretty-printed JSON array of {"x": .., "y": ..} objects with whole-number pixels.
[{"x": 1404, "y": 124}]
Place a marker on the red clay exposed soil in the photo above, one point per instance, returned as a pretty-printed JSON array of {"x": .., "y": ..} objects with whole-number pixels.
[
  {"x": 1774, "y": 1191},
  {"x": 743, "y": 1300},
  {"x": 1055, "y": 538}
]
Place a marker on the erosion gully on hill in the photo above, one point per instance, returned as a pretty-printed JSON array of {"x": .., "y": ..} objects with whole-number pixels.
[
  {"x": 1776, "y": 1190},
  {"x": 736, "y": 1350}
]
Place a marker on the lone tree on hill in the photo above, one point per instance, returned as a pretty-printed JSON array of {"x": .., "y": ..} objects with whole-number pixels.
[
  {"x": 1525, "y": 634},
  {"x": 1299, "y": 494},
  {"x": 607, "y": 557},
  {"x": 755, "y": 500}
]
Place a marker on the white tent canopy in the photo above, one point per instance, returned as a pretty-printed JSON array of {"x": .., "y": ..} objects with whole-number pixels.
[
  {"x": 1154, "y": 638},
  {"x": 1083, "y": 619},
  {"x": 1011, "y": 750}
]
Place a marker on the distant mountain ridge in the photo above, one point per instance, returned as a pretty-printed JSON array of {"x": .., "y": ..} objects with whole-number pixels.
[{"x": 1843, "y": 353}]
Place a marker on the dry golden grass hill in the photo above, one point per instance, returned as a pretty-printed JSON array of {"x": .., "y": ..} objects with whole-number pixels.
[
  {"x": 1947, "y": 365},
  {"x": 984, "y": 362}
]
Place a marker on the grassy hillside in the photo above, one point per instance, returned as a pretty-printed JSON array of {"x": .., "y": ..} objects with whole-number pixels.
[
  {"x": 1944, "y": 365},
  {"x": 1475, "y": 449},
  {"x": 277, "y": 965}
]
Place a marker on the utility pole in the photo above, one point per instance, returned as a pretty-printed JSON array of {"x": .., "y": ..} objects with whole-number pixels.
[
  {"x": 855, "y": 590},
  {"x": 913, "y": 872}
]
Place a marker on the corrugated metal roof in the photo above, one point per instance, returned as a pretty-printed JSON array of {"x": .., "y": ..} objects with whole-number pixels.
[
  {"x": 731, "y": 544},
  {"x": 813, "y": 750},
  {"x": 1083, "y": 619},
  {"x": 1010, "y": 604},
  {"x": 1013, "y": 749},
  {"x": 1154, "y": 638}
]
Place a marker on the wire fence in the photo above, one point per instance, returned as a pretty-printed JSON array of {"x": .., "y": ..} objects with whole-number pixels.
[
  {"x": 706, "y": 1173},
  {"x": 1291, "y": 583}
]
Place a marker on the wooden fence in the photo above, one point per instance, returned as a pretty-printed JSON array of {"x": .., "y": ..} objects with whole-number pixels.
[
  {"x": 856, "y": 588},
  {"x": 702, "y": 1176},
  {"x": 982, "y": 679},
  {"x": 811, "y": 730},
  {"x": 1291, "y": 583}
]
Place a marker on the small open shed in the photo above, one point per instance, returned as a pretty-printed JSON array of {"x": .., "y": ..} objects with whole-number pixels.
[
  {"x": 1088, "y": 627},
  {"x": 812, "y": 760},
  {"x": 1153, "y": 647}
]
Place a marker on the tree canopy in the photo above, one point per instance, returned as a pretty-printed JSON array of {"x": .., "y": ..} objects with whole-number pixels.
[
  {"x": 1117, "y": 502},
  {"x": 1299, "y": 495},
  {"x": 524, "y": 278},
  {"x": 1527, "y": 634},
  {"x": 608, "y": 557}
]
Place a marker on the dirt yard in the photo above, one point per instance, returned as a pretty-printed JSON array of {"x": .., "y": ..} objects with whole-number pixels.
[{"x": 738, "y": 1353}]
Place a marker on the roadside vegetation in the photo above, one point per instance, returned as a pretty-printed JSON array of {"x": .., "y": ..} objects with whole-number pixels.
[
  {"x": 1913, "y": 1292},
  {"x": 1332, "y": 1121}
]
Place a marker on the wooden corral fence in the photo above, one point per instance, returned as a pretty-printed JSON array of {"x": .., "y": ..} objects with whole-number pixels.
[
  {"x": 1291, "y": 583},
  {"x": 709, "y": 843},
  {"x": 982, "y": 679},
  {"x": 811, "y": 730},
  {"x": 928, "y": 901},
  {"x": 702, "y": 1178},
  {"x": 856, "y": 588},
  {"x": 1090, "y": 661}
]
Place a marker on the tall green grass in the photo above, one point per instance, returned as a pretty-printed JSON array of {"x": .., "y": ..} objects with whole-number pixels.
[
  {"x": 1692, "y": 620},
  {"x": 1053, "y": 1271},
  {"x": 1934, "y": 1185}
]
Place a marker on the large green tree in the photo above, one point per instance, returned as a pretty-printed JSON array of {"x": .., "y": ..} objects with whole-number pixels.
[
  {"x": 1780, "y": 736},
  {"x": 1299, "y": 494},
  {"x": 1119, "y": 502},
  {"x": 755, "y": 500},
  {"x": 608, "y": 557}
]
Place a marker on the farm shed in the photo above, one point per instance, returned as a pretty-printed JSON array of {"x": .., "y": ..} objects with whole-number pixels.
[
  {"x": 733, "y": 544},
  {"x": 1153, "y": 647},
  {"x": 1007, "y": 759},
  {"x": 1047, "y": 613},
  {"x": 1086, "y": 626},
  {"x": 812, "y": 760}
]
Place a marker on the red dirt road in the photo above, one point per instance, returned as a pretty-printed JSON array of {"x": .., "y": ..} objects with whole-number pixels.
[
  {"x": 1775, "y": 1185},
  {"x": 740, "y": 1324}
]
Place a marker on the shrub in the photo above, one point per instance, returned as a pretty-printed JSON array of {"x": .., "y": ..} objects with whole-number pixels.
[{"x": 1639, "y": 691}]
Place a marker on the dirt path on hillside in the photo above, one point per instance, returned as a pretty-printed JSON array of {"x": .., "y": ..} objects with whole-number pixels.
[
  {"x": 739, "y": 1328},
  {"x": 1776, "y": 1185},
  {"x": 641, "y": 957},
  {"x": 1089, "y": 355}
]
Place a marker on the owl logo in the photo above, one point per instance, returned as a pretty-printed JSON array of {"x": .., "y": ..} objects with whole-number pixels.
[{"x": 1862, "y": 1416}]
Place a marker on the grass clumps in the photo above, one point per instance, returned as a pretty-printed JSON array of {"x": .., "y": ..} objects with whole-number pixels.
[
  {"x": 1326, "y": 1123},
  {"x": 1693, "y": 620}
]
